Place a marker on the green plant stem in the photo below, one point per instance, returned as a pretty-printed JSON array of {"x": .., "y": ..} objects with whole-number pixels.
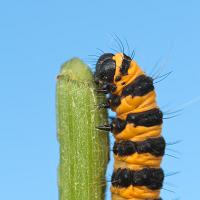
[{"x": 83, "y": 149}]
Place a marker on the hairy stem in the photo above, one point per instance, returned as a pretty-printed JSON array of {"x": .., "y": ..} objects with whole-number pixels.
[{"x": 83, "y": 149}]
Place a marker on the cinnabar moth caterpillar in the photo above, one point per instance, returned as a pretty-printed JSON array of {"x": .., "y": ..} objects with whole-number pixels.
[{"x": 139, "y": 146}]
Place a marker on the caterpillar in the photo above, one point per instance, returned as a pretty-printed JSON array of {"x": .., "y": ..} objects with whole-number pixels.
[{"x": 139, "y": 145}]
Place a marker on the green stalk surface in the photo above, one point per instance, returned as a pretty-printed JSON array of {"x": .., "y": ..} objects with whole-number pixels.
[{"x": 83, "y": 149}]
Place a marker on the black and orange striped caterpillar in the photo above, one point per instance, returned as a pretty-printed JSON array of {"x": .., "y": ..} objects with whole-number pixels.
[{"x": 139, "y": 146}]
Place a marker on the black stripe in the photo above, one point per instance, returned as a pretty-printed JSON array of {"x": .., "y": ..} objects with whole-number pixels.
[
  {"x": 149, "y": 177},
  {"x": 114, "y": 100},
  {"x": 154, "y": 146},
  {"x": 141, "y": 86},
  {"x": 125, "y": 65},
  {"x": 148, "y": 118}
]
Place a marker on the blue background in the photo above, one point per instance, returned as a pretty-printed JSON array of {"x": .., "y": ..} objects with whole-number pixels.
[{"x": 36, "y": 37}]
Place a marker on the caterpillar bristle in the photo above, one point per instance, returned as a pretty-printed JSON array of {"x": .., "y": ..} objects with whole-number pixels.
[
  {"x": 172, "y": 174},
  {"x": 173, "y": 143},
  {"x": 172, "y": 150},
  {"x": 172, "y": 156},
  {"x": 162, "y": 77}
]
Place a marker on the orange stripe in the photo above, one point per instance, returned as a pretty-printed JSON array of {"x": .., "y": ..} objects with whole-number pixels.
[
  {"x": 140, "y": 192},
  {"x": 137, "y": 161},
  {"x": 138, "y": 133},
  {"x": 117, "y": 197},
  {"x": 136, "y": 104}
]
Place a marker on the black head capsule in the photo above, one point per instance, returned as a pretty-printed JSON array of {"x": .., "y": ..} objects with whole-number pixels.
[{"x": 105, "y": 70}]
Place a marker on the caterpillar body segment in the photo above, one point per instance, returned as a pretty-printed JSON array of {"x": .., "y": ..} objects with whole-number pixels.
[{"x": 139, "y": 146}]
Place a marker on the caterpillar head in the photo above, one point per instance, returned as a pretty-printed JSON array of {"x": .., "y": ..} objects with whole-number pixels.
[{"x": 105, "y": 69}]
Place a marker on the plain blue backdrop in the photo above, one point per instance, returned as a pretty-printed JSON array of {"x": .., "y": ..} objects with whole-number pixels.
[{"x": 36, "y": 37}]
